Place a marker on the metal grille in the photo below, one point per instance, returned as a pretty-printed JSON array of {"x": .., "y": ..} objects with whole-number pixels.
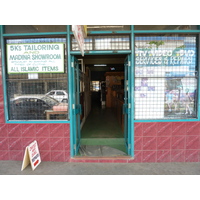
[
  {"x": 31, "y": 95},
  {"x": 165, "y": 77},
  {"x": 111, "y": 42}
]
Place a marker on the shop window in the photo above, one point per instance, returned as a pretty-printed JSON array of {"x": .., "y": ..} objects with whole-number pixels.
[
  {"x": 165, "y": 27},
  {"x": 166, "y": 77},
  {"x": 34, "y": 28},
  {"x": 36, "y": 79},
  {"x": 111, "y": 42}
]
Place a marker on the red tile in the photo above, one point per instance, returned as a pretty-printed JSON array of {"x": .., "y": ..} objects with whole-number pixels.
[
  {"x": 178, "y": 128},
  {"x": 67, "y": 156},
  {"x": 4, "y": 155},
  {"x": 163, "y": 156},
  {"x": 14, "y": 130},
  {"x": 28, "y": 130},
  {"x": 149, "y": 143},
  {"x": 42, "y": 130},
  {"x": 177, "y": 155},
  {"x": 58, "y": 156},
  {"x": 164, "y": 128},
  {"x": 193, "y": 128},
  {"x": 178, "y": 142},
  {"x": 2, "y": 118},
  {"x": 192, "y": 156},
  {"x": 3, "y": 130},
  {"x": 163, "y": 143},
  {"x": 43, "y": 144},
  {"x": 149, "y": 129},
  {"x": 56, "y": 130},
  {"x": 137, "y": 157},
  {"x": 16, "y": 155},
  {"x": 138, "y": 129},
  {"x": 67, "y": 144},
  {"x": 192, "y": 142},
  {"x": 26, "y": 142},
  {"x": 149, "y": 156},
  {"x": 4, "y": 144},
  {"x": 57, "y": 144},
  {"x": 15, "y": 144},
  {"x": 138, "y": 143}
]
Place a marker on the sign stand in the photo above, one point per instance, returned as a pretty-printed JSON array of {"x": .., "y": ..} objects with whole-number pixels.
[{"x": 31, "y": 155}]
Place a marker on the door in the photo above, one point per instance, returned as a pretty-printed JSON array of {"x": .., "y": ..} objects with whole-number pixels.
[
  {"x": 76, "y": 106},
  {"x": 127, "y": 105}
]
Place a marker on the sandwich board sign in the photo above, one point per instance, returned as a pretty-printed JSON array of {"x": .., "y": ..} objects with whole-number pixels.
[{"x": 31, "y": 155}]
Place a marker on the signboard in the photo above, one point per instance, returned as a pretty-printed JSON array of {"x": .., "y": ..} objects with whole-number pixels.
[
  {"x": 35, "y": 58},
  {"x": 31, "y": 155},
  {"x": 79, "y": 36}
]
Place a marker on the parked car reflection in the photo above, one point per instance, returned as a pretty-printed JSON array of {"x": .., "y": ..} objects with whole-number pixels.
[
  {"x": 58, "y": 94},
  {"x": 31, "y": 107}
]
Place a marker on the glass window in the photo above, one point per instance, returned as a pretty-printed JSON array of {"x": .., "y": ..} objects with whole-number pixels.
[
  {"x": 165, "y": 27},
  {"x": 108, "y": 27},
  {"x": 166, "y": 77},
  {"x": 34, "y": 28},
  {"x": 35, "y": 67},
  {"x": 108, "y": 42}
]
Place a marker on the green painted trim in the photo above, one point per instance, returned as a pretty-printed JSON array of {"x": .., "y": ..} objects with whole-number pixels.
[
  {"x": 101, "y": 52},
  {"x": 34, "y": 34},
  {"x": 166, "y": 31}
]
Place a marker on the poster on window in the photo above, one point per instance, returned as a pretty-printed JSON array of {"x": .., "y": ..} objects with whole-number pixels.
[
  {"x": 165, "y": 82},
  {"x": 35, "y": 58}
]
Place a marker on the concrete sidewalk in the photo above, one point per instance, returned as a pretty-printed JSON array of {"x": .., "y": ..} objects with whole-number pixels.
[{"x": 63, "y": 168}]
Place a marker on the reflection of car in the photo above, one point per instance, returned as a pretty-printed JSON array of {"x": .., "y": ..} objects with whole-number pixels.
[
  {"x": 29, "y": 107},
  {"x": 58, "y": 94}
]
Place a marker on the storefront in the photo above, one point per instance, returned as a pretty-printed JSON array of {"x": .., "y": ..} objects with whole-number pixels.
[{"x": 132, "y": 97}]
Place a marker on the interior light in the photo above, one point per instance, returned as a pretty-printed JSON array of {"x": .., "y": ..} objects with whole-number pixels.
[{"x": 100, "y": 65}]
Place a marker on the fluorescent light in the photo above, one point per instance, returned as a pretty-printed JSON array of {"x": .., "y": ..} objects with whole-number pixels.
[{"x": 100, "y": 65}]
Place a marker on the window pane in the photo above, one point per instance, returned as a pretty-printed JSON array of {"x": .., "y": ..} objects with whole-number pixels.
[
  {"x": 35, "y": 68},
  {"x": 165, "y": 27},
  {"x": 34, "y": 28},
  {"x": 165, "y": 77}
]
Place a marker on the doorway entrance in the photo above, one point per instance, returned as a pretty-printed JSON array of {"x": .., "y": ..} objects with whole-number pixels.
[{"x": 101, "y": 105}]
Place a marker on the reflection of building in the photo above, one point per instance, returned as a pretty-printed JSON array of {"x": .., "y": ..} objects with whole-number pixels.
[{"x": 135, "y": 93}]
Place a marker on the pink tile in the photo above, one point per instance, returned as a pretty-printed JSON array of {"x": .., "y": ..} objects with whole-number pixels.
[
  {"x": 4, "y": 155},
  {"x": 178, "y": 142},
  {"x": 149, "y": 156},
  {"x": 14, "y": 130},
  {"x": 45, "y": 155},
  {"x": 26, "y": 142},
  {"x": 58, "y": 156},
  {"x": 66, "y": 130},
  {"x": 43, "y": 144},
  {"x": 163, "y": 143},
  {"x": 3, "y": 144},
  {"x": 164, "y": 128},
  {"x": 56, "y": 130},
  {"x": 192, "y": 156},
  {"x": 149, "y": 143},
  {"x": 137, "y": 157},
  {"x": 138, "y": 143},
  {"x": 178, "y": 128},
  {"x": 3, "y": 130},
  {"x": 193, "y": 128},
  {"x": 149, "y": 129},
  {"x": 16, "y": 155},
  {"x": 138, "y": 129},
  {"x": 28, "y": 130},
  {"x": 67, "y": 144},
  {"x": 192, "y": 142},
  {"x": 57, "y": 144},
  {"x": 177, "y": 155},
  {"x": 15, "y": 144},
  {"x": 67, "y": 156},
  {"x": 2, "y": 118},
  {"x": 42, "y": 130},
  {"x": 163, "y": 156}
]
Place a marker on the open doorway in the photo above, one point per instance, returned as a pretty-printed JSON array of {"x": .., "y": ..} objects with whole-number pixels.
[{"x": 102, "y": 102}]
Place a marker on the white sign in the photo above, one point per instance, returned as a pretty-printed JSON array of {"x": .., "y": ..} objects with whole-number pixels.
[
  {"x": 79, "y": 36},
  {"x": 35, "y": 58},
  {"x": 31, "y": 155}
]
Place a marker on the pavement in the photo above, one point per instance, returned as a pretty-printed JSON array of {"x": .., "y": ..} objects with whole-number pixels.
[{"x": 65, "y": 168}]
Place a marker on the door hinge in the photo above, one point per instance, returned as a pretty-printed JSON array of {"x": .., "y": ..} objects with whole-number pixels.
[
  {"x": 73, "y": 106},
  {"x": 129, "y": 63},
  {"x": 72, "y": 64},
  {"x": 129, "y": 105}
]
